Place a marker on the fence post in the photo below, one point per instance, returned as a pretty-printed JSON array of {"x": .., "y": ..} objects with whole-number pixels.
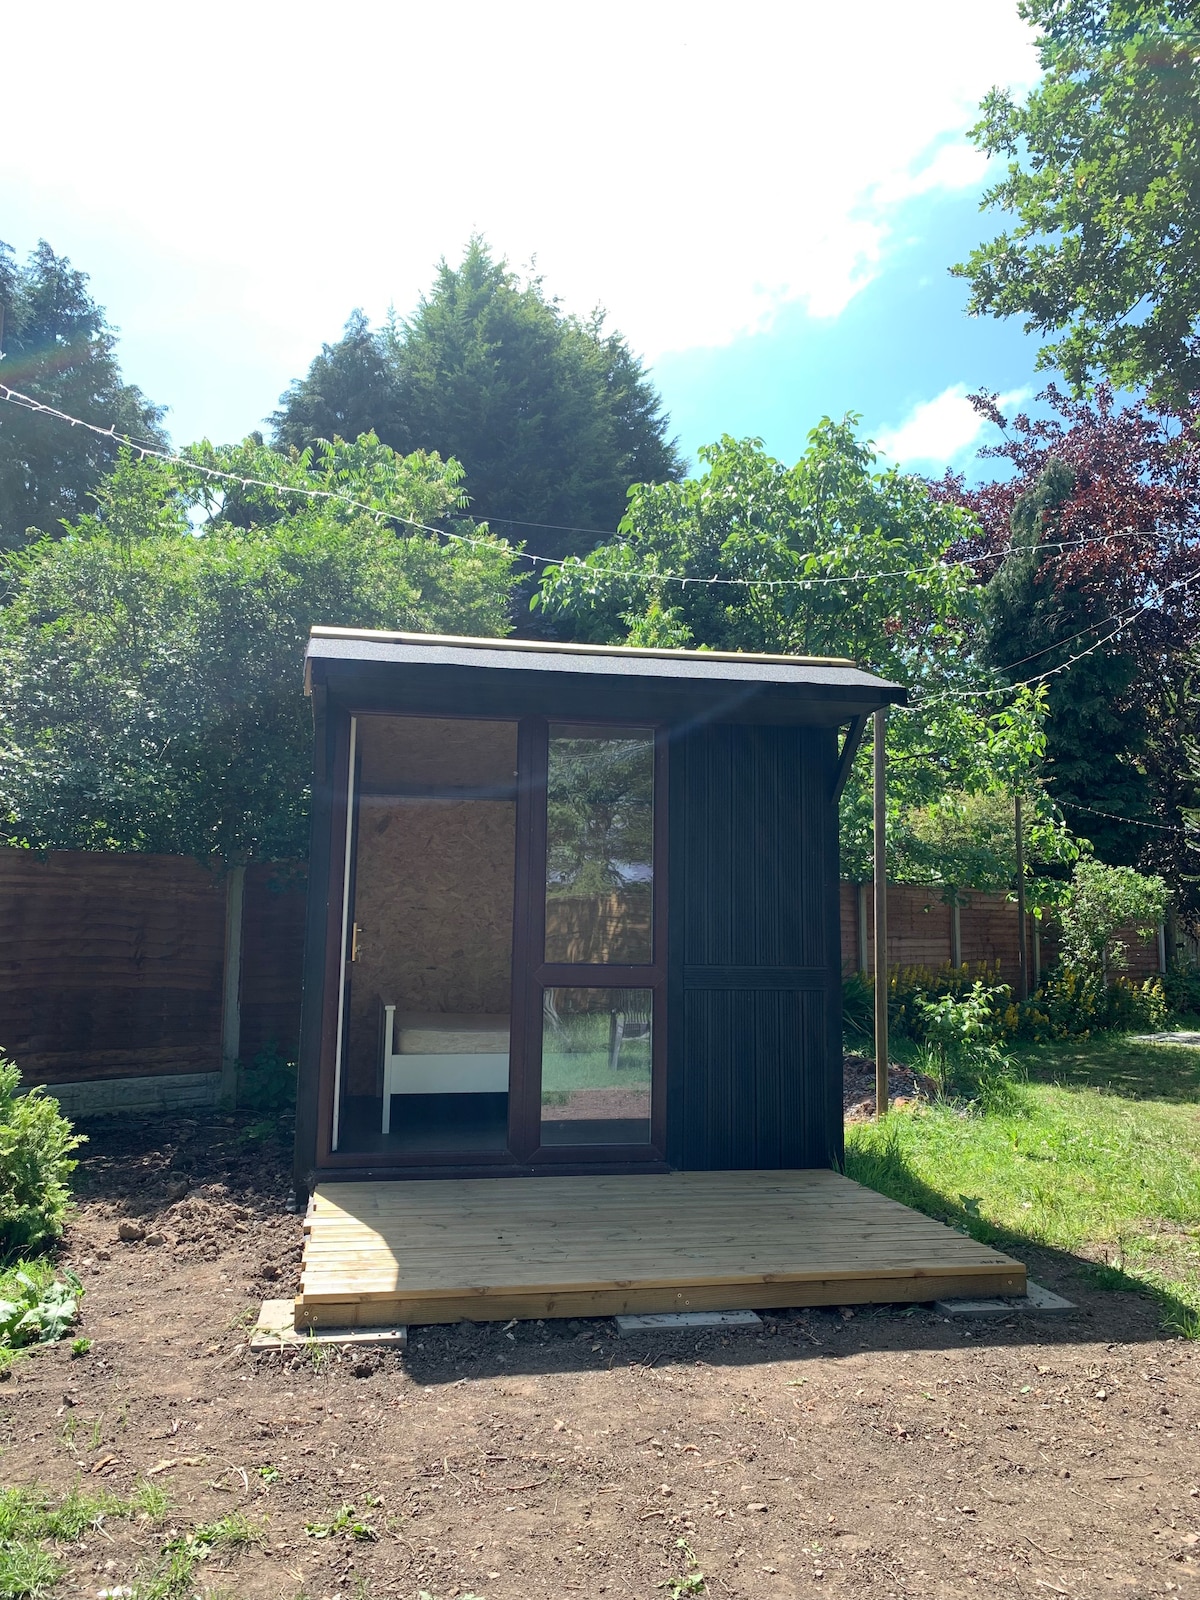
[
  {"x": 880, "y": 845},
  {"x": 955, "y": 932},
  {"x": 860, "y": 899},
  {"x": 231, "y": 989}
]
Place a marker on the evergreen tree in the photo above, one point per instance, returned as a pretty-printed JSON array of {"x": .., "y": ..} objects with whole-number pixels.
[
  {"x": 552, "y": 416},
  {"x": 58, "y": 348}
]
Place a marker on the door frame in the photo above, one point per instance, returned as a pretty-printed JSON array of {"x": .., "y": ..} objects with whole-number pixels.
[
  {"x": 532, "y": 973},
  {"x": 529, "y": 972}
]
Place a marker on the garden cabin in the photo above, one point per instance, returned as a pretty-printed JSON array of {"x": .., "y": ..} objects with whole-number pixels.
[{"x": 572, "y": 1029}]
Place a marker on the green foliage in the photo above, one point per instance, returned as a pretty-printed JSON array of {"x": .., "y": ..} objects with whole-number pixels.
[
  {"x": 57, "y": 349},
  {"x": 35, "y": 1307},
  {"x": 848, "y": 561},
  {"x": 268, "y": 1083},
  {"x": 858, "y": 1006},
  {"x": 1102, "y": 902},
  {"x": 1181, "y": 986},
  {"x": 1095, "y": 1150},
  {"x": 346, "y": 1521},
  {"x": 151, "y": 668},
  {"x": 552, "y": 416},
  {"x": 36, "y": 1161},
  {"x": 1102, "y": 187},
  {"x": 1073, "y": 1003},
  {"x": 960, "y": 1034},
  {"x": 30, "y": 1519}
]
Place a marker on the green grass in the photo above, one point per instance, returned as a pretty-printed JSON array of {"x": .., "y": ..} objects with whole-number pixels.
[
  {"x": 31, "y": 1523},
  {"x": 1091, "y": 1148}
]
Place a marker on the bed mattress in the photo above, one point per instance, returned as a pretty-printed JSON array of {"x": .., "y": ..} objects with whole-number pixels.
[{"x": 446, "y": 1033}]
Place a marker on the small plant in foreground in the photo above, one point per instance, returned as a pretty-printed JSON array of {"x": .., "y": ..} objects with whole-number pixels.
[
  {"x": 960, "y": 1035},
  {"x": 35, "y": 1306},
  {"x": 346, "y": 1520},
  {"x": 37, "y": 1146},
  {"x": 690, "y": 1582},
  {"x": 80, "y": 1347}
]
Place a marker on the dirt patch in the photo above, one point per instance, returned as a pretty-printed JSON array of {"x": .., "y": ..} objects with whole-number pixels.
[
  {"x": 883, "y": 1454},
  {"x": 858, "y": 1086}
]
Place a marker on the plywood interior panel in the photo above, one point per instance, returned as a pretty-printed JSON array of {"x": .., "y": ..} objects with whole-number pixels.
[{"x": 434, "y": 879}]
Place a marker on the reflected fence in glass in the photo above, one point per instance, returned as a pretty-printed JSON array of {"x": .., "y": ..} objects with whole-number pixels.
[{"x": 596, "y": 1056}]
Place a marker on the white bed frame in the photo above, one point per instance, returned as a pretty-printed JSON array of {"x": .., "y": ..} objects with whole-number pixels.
[{"x": 483, "y": 1072}]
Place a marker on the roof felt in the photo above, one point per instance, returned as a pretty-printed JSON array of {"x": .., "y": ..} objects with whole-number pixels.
[{"x": 697, "y": 667}]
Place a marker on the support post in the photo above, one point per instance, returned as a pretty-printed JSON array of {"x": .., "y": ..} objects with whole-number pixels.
[
  {"x": 1022, "y": 928},
  {"x": 1037, "y": 954},
  {"x": 955, "y": 932},
  {"x": 881, "y": 991},
  {"x": 231, "y": 997},
  {"x": 1162, "y": 947}
]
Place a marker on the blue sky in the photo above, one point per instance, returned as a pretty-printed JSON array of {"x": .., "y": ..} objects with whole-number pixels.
[{"x": 766, "y": 204}]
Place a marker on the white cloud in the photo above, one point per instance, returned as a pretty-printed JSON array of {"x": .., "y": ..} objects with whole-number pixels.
[
  {"x": 941, "y": 432},
  {"x": 256, "y": 171}
]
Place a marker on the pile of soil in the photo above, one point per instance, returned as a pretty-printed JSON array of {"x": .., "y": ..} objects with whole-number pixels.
[
  {"x": 869, "y": 1456},
  {"x": 858, "y": 1086}
]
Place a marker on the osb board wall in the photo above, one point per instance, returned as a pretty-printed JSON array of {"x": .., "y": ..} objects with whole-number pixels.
[
  {"x": 614, "y": 927},
  {"x": 449, "y": 750},
  {"x": 110, "y": 965},
  {"x": 919, "y": 932},
  {"x": 272, "y": 958},
  {"x": 434, "y": 905}
]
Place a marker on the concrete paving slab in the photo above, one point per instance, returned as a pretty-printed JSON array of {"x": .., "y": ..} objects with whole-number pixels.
[
  {"x": 1037, "y": 1299},
  {"x": 668, "y": 1321},
  {"x": 276, "y": 1329}
]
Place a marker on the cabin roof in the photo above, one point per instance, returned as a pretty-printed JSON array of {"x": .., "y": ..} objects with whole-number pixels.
[{"x": 698, "y": 667}]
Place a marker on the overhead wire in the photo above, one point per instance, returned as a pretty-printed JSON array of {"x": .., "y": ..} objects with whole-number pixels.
[{"x": 146, "y": 448}]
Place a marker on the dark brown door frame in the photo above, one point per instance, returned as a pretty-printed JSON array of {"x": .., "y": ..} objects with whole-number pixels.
[{"x": 532, "y": 973}]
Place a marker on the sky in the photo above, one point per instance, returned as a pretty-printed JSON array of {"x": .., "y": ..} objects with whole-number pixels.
[{"x": 765, "y": 198}]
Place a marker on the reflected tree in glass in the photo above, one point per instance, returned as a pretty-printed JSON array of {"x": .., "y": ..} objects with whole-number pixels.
[{"x": 600, "y": 844}]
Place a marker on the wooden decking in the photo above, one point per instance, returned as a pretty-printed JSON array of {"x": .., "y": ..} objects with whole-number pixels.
[{"x": 495, "y": 1248}]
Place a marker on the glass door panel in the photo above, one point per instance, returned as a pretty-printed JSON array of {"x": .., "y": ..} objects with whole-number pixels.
[
  {"x": 597, "y": 1050},
  {"x": 599, "y": 845},
  {"x": 424, "y": 1064}
]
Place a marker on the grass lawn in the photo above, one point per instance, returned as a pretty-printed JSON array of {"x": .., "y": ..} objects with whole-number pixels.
[{"x": 1092, "y": 1148}]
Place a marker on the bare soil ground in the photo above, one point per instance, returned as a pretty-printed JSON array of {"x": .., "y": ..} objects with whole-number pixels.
[{"x": 884, "y": 1454}]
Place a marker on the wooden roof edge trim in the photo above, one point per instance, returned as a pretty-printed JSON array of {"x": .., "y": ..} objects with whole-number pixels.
[{"x": 557, "y": 647}]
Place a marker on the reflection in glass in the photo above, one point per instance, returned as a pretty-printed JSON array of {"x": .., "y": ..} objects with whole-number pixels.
[
  {"x": 596, "y": 1054},
  {"x": 600, "y": 844}
]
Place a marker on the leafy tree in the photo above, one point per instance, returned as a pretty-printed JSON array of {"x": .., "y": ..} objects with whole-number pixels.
[
  {"x": 151, "y": 689},
  {"x": 1102, "y": 903},
  {"x": 553, "y": 416},
  {"x": 1096, "y": 528},
  {"x": 828, "y": 557},
  {"x": 1103, "y": 183},
  {"x": 59, "y": 349}
]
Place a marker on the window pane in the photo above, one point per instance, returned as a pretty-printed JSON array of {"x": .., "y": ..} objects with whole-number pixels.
[
  {"x": 596, "y": 1053},
  {"x": 600, "y": 845}
]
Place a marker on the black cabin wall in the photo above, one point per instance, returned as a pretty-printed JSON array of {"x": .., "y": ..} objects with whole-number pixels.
[{"x": 755, "y": 1019}]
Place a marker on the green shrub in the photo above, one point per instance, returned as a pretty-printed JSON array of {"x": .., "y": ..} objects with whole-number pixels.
[
  {"x": 910, "y": 987},
  {"x": 1181, "y": 985},
  {"x": 268, "y": 1083},
  {"x": 36, "y": 1161},
  {"x": 960, "y": 1036}
]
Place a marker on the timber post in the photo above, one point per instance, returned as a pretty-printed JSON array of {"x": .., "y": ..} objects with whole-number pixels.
[{"x": 881, "y": 981}]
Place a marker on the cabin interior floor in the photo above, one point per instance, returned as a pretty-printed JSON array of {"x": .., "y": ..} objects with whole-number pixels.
[{"x": 440, "y": 1250}]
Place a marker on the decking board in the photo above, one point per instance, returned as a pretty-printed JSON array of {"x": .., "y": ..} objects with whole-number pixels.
[{"x": 495, "y": 1248}]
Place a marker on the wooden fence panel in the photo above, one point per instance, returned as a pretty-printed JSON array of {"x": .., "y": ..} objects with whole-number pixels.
[
  {"x": 272, "y": 959},
  {"x": 110, "y": 965}
]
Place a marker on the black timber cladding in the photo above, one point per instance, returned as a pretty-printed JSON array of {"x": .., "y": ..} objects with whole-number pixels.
[{"x": 754, "y": 1076}]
